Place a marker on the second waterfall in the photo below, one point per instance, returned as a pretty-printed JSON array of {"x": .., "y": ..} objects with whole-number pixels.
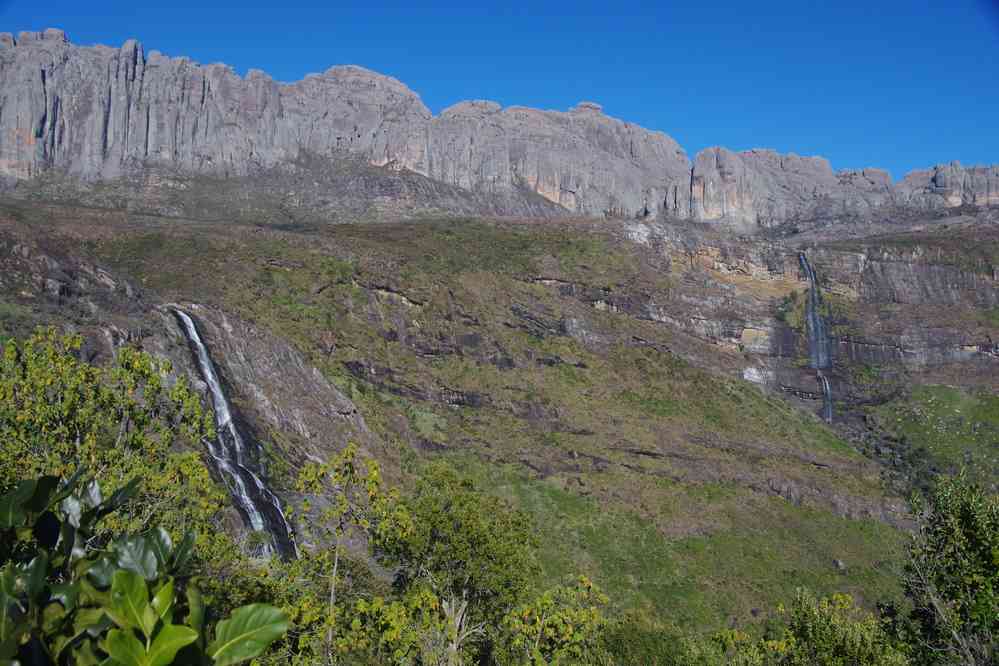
[
  {"x": 232, "y": 461},
  {"x": 819, "y": 348}
]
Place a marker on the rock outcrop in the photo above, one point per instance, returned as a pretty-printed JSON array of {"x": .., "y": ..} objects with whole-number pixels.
[
  {"x": 763, "y": 187},
  {"x": 101, "y": 113}
]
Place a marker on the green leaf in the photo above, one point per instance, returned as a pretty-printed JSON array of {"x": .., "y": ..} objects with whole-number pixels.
[
  {"x": 119, "y": 497},
  {"x": 136, "y": 554},
  {"x": 182, "y": 553},
  {"x": 162, "y": 602},
  {"x": 32, "y": 576},
  {"x": 101, "y": 572},
  {"x": 66, "y": 594},
  {"x": 129, "y": 599},
  {"x": 161, "y": 544},
  {"x": 83, "y": 655},
  {"x": 247, "y": 633},
  {"x": 168, "y": 642},
  {"x": 92, "y": 622},
  {"x": 44, "y": 487},
  {"x": 53, "y": 617},
  {"x": 8, "y": 650},
  {"x": 12, "y": 513},
  {"x": 196, "y": 608},
  {"x": 8, "y": 602},
  {"x": 125, "y": 648}
]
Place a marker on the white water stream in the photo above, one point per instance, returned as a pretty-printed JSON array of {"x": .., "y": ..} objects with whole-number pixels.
[{"x": 255, "y": 500}]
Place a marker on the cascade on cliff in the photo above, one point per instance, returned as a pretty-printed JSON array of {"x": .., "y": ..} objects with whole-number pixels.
[
  {"x": 257, "y": 504},
  {"x": 819, "y": 349}
]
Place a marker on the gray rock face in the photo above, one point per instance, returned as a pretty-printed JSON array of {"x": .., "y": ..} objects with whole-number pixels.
[
  {"x": 100, "y": 112},
  {"x": 582, "y": 160},
  {"x": 949, "y": 185},
  {"x": 763, "y": 187}
]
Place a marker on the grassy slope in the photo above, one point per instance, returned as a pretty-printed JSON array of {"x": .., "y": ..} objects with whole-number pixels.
[
  {"x": 654, "y": 475},
  {"x": 944, "y": 428}
]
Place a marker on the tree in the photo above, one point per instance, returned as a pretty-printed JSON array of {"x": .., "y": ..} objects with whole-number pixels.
[
  {"x": 562, "y": 625},
  {"x": 356, "y": 495},
  {"x": 66, "y": 600},
  {"x": 122, "y": 421},
  {"x": 952, "y": 576},
  {"x": 471, "y": 550}
]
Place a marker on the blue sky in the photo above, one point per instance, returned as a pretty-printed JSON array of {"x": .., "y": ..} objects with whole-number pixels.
[{"x": 896, "y": 84}]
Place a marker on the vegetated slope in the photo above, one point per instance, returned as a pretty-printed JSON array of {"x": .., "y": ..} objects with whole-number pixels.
[{"x": 537, "y": 357}]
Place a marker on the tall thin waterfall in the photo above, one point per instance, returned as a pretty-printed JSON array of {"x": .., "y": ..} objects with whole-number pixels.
[
  {"x": 255, "y": 501},
  {"x": 819, "y": 348}
]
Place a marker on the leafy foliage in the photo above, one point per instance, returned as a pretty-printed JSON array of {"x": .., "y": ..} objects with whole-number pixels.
[
  {"x": 561, "y": 626},
  {"x": 122, "y": 421},
  {"x": 462, "y": 543},
  {"x": 953, "y": 574},
  {"x": 65, "y": 600}
]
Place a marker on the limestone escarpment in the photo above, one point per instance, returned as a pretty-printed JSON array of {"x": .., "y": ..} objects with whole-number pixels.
[
  {"x": 582, "y": 160},
  {"x": 102, "y": 113},
  {"x": 98, "y": 112},
  {"x": 763, "y": 187}
]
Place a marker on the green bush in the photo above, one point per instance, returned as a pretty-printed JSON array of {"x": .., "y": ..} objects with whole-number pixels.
[
  {"x": 952, "y": 576},
  {"x": 71, "y": 596}
]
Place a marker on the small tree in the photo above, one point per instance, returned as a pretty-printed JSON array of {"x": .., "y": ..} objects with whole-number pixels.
[
  {"x": 355, "y": 493},
  {"x": 471, "y": 550},
  {"x": 952, "y": 575},
  {"x": 561, "y": 626}
]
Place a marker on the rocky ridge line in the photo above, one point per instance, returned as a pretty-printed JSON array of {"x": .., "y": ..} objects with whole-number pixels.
[{"x": 97, "y": 112}]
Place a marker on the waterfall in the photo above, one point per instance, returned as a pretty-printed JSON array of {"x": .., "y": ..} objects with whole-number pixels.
[
  {"x": 257, "y": 504},
  {"x": 819, "y": 348}
]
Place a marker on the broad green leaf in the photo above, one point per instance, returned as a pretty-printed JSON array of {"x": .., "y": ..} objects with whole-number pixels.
[
  {"x": 91, "y": 622},
  {"x": 12, "y": 509},
  {"x": 136, "y": 554},
  {"x": 168, "y": 642},
  {"x": 182, "y": 553},
  {"x": 32, "y": 576},
  {"x": 83, "y": 655},
  {"x": 66, "y": 594},
  {"x": 44, "y": 487},
  {"x": 8, "y": 583},
  {"x": 149, "y": 620},
  {"x": 53, "y": 616},
  {"x": 129, "y": 599},
  {"x": 125, "y": 648},
  {"x": 101, "y": 572},
  {"x": 196, "y": 608},
  {"x": 162, "y": 602},
  {"x": 119, "y": 497},
  {"x": 161, "y": 544},
  {"x": 8, "y": 650},
  {"x": 247, "y": 633}
]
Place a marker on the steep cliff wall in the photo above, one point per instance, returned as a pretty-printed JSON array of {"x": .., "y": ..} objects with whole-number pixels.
[{"x": 100, "y": 112}]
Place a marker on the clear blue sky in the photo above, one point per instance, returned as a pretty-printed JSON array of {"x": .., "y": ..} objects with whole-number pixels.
[{"x": 899, "y": 84}]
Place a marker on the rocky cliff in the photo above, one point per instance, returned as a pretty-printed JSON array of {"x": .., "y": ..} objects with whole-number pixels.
[{"x": 101, "y": 113}]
